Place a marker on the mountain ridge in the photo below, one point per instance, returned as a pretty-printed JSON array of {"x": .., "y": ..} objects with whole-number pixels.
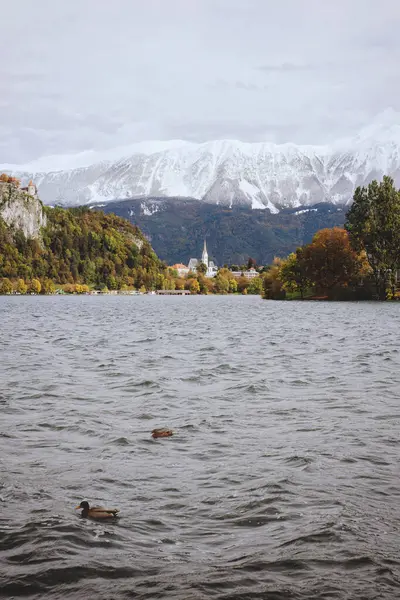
[{"x": 260, "y": 175}]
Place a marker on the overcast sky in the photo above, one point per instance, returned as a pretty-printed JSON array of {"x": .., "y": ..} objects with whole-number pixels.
[{"x": 95, "y": 74}]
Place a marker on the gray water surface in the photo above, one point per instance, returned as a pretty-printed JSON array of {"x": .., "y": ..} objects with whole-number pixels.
[{"x": 282, "y": 481}]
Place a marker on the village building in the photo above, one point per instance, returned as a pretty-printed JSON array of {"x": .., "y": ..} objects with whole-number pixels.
[
  {"x": 181, "y": 268},
  {"x": 212, "y": 268},
  {"x": 250, "y": 274}
]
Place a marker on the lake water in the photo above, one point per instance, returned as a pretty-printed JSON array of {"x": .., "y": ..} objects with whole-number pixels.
[{"x": 281, "y": 482}]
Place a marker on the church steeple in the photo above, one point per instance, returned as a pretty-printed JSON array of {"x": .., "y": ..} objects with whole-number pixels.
[{"x": 204, "y": 256}]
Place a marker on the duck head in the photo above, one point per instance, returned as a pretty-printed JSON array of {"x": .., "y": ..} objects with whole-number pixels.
[{"x": 84, "y": 506}]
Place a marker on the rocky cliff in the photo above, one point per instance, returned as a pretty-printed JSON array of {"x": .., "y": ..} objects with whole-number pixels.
[{"x": 21, "y": 211}]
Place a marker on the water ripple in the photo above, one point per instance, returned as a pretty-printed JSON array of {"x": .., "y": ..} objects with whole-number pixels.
[{"x": 281, "y": 481}]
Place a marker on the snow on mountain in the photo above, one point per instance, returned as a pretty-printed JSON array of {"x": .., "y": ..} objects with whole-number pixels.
[{"x": 226, "y": 172}]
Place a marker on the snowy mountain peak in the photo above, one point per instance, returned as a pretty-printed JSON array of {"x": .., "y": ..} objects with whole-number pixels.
[{"x": 228, "y": 172}]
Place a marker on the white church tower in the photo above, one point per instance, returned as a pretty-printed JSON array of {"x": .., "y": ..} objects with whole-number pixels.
[
  {"x": 204, "y": 256},
  {"x": 212, "y": 268}
]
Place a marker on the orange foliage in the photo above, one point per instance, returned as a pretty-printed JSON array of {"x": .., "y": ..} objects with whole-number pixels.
[
  {"x": 330, "y": 259},
  {"x": 4, "y": 178}
]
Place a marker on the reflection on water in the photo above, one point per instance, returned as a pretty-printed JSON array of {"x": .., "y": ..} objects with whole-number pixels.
[{"x": 282, "y": 481}]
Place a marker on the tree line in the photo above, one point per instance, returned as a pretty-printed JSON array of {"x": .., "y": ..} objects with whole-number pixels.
[
  {"x": 80, "y": 249},
  {"x": 361, "y": 261},
  {"x": 223, "y": 283}
]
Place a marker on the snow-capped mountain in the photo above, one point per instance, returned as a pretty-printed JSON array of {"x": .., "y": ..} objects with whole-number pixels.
[{"x": 260, "y": 175}]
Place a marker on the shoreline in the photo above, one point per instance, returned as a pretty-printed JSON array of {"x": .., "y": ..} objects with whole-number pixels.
[{"x": 123, "y": 293}]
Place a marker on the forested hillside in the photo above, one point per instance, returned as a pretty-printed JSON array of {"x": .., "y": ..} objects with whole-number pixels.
[
  {"x": 177, "y": 228},
  {"x": 77, "y": 246}
]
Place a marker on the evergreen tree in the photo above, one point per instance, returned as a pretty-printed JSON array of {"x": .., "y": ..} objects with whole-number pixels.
[
  {"x": 202, "y": 268},
  {"x": 373, "y": 223}
]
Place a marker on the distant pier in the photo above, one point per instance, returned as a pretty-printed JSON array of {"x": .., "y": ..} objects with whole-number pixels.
[{"x": 173, "y": 292}]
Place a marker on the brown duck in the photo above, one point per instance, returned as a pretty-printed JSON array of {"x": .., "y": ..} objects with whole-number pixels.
[
  {"x": 96, "y": 512},
  {"x": 162, "y": 432}
]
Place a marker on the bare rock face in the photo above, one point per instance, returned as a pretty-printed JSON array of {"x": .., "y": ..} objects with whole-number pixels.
[{"x": 21, "y": 211}]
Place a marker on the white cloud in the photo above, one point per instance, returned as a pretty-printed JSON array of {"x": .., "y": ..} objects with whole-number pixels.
[{"x": 86, "y": 74}]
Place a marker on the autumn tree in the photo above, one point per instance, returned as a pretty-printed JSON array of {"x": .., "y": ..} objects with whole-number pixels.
[
  {"x": 330, "y": 260},
  {"x": 251, "y": 263},
  {"x": 47, "y": 286},
  {"x": 222, "y": 281},
  {"x": 272, "y": 283},
  {"x": 194, "y": 287},
  {"x": 221, "y": 284},
  {"x": 21, "y": 287},
  {"x": 242, "y": 284},
  {"x": 169, "y": 283},
  {"x": 180, "y": 284},
  {"x": 233, "y": 286},
  {"x": 373, "y": 224},
  {"x": 34, "y": 286},
  {"x": 208, "y": 285},
  {"x": 255, "y": 286},
  {"x": 294, "y": 273},
  {"x": 81, "y": 288},
  {"x": 4, "y": 178},
  {"x": 5, "y": 286},
  {"x": 202, "y": 284}
]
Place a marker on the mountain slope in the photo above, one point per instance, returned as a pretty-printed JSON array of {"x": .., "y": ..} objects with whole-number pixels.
[
  {"x": 230, "y": 173},
  {"x": 177, "y": 228}
]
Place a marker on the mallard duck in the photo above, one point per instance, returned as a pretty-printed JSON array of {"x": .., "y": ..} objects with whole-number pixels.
[
  {"x": 162, "y": 432},
  {"x": 96, "y": 512}
]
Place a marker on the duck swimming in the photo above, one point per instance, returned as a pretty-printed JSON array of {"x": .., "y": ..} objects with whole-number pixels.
[
  {"x": 162, "y": 432},
  {"x": 96, "y": 512}
]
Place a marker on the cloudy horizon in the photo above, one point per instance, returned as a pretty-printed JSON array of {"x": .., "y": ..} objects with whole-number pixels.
[{"x": 94, "y": 76}]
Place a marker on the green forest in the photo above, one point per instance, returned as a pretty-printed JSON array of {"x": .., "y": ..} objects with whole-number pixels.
[
  {"x": 81, "y": 249},
  {"x": 80, "y": 246},
  {"x": 177, "y": 228}
]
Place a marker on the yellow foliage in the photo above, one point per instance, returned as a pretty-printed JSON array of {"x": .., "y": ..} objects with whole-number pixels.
[
  {"x": 194, "y": 287},
  {"x": 81, "y": 288},
  {"x": 21, "y": 287},
  {"x": 35, "y": 287}
]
